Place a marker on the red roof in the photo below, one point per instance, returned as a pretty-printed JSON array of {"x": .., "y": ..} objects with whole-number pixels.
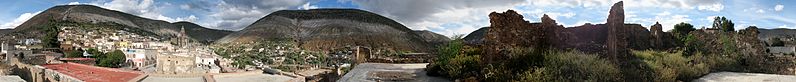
[
  {"x": 76, "y": 59},
  {"x": 93, "y": 73}
]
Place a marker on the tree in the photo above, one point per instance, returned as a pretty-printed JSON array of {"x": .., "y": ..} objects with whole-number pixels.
[
  {"x": 95, "y": 53},
  {"x": 723, "y": 24},
  {"x": 50, "y": 38},
  {"x": 74, "y": 54},
  {"x": 112, "y": 59},
  {"x": 683, "y": 28}
]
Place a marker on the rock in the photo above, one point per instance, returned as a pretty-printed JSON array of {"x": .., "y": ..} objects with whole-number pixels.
[
  {"x": 546, "y": 20},
  {"x": 616, "y": 32},
  {"x": 661, "y": 40},
  {"x": 656, "y": 32},
  {"x": 637, "y": 37}
]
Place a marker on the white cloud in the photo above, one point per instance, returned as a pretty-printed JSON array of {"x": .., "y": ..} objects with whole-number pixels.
[
  {"x": 135, "y": 7},
  {"x": 715, "y": 7},
  {"x": 710, "y": 18},
  {"x": 185, "y": 7},
  {"x": 237, "y": 14},
  {"x": 786, "y": 26},
  {"x": 73, "y": 3},
  {"x": 144, "y": 8},
  {"x": 447, "y": 17},
  {"x": 668, "y": 23},
  {"x": 666, "y": 19},
  {"x": 760, "y": 11},
  {"x": 307, "y": 6},
  {"x": 18, "y": 21},
  {"x": 580, "y": 22},
  {"x": 712, "y": 5},
  {"x": 779, "y": 7},
  {"x": 191, "y": 18}
]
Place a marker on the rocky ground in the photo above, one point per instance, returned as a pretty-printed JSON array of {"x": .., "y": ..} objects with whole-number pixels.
[{"x": 745, "y": 77}]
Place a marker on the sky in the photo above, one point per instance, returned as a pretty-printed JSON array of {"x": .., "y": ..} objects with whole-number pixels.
[{"x": 447, "y": 17}]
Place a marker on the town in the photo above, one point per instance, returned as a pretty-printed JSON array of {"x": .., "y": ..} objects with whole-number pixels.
[
  {"x": 88, "y": 52},
  {"x": 397, "y": 41}
]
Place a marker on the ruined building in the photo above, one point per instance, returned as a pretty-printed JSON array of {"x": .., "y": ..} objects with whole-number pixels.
[{"x": 614, "y": 39}]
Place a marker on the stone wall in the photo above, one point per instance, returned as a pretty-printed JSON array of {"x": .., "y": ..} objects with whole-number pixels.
[
  {"x": 172, "y": 64},
  {"x": 509, "y": 30}
]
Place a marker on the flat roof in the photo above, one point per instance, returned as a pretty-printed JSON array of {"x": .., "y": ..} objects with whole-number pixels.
[
  {"x": 363, "y": 71},
  {"x": 11, "y": 78},
  {"x": 173, "y": 79},
  {"x": 93, "y": 73}
]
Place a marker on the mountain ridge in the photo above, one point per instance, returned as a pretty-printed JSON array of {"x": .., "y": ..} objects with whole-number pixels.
[
  {"x": 93, "y": 15},
  {"x": 329, "y": 28}
]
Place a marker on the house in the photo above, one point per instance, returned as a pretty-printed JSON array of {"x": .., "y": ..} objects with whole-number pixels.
[{"x": 135, "y": 57}]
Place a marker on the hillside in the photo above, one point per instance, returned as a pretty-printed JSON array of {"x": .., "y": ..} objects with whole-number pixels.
[
  {"x": 476, "y": 37},
  {"x": 95, "y": 15},
  {"x": 765, "y": 34},
  {"x": 331, "y": 28},
  {"x": 432, "y": 37},
  {"x": 5, "y": 31}
]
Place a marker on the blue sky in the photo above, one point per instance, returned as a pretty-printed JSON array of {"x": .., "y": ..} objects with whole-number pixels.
[{"x": 447, "y": 17}]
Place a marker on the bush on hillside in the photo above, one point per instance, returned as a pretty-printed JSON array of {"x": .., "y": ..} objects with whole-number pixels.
[
  {"x": 463, "y": 66},
  {"x": 669, "y": 67},
  {"x": 578, "y": 67}
]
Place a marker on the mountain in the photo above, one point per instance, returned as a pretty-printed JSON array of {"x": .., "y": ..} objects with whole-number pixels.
[
  {"x": 432, "y": 37},
  {"x": 476, "y": 37},
  {"x": 5, "y": 31},
  {"x": 95, "y": 15},
  {"x": 767, "y": 34},
  {"x": 331, "y": 28}
]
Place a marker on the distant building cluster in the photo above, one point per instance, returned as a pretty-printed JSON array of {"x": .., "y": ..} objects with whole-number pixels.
[{"x": 144, "y": 56}]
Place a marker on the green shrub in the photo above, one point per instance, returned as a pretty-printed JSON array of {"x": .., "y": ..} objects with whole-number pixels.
[
  {"x": 463, "y": 66},
  {"x": 668, "y": 67},
  {"x": 536, "y": 75},
  {"x": 576, "y": 66},
  {"x": 456, "y": 60},
  {"x": 112, "y": 59}
]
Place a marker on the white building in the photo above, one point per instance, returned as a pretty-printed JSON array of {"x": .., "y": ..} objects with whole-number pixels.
[{"x": 136, "y": 57}]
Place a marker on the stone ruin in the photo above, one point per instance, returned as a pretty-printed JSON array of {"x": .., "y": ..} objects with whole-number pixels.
[{"x": 613, "y": 39}]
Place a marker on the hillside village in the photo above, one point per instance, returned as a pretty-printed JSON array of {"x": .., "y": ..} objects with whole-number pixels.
[
  {"x": 146, "y": 55},
  {"x": 75, "y": 51}
]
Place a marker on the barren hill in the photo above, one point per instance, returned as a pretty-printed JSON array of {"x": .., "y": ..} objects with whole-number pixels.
[{"x": 331, "y": 28}]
